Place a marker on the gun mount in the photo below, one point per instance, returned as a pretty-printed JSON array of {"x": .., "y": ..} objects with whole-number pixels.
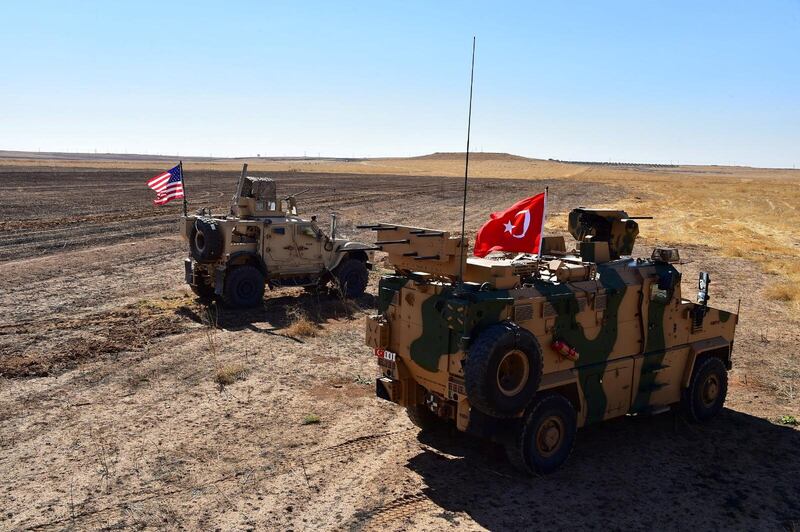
[
  {"x": 292, "y": 201},
  {"x": 256, "y": 197},
  {"x": 614, "y": 227}
]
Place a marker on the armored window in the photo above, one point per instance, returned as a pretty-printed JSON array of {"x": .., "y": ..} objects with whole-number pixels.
[
  {"x": 659, "y": 295},
  {"x": 307, "y": 230}
]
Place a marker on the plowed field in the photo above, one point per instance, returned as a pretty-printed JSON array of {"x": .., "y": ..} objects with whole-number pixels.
[{"x": 113, "y": 413}]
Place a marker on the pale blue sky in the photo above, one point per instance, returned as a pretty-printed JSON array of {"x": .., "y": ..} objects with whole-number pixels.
[{"x": 688, "y": 82}]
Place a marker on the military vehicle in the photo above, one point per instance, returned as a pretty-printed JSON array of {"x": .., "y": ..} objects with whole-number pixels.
[
  {"x": 530, "y": 348},
  {"x": 264, "y": 242}
]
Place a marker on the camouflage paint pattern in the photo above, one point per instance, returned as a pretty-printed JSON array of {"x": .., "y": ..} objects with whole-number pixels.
[{"x": 636, "y": 336}]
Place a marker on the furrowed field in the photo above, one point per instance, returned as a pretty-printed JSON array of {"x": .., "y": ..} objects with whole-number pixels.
[{"x": 125, "y": 403}]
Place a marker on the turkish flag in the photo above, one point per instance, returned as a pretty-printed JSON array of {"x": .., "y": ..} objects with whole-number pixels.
[{"x": 518, "y": 228}]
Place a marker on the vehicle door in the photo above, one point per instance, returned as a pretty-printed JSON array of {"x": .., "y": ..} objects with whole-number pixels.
[
  {"x": 656, "y": 373},
  {"x": 308, "y": 241},
  {"x": 279, "y": 249}
]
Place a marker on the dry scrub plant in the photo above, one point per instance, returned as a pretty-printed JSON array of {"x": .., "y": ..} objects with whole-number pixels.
[
  {"x": 300, "y": 325},
  {"x": 225, "y": 373},
  {"x": 106, "y": 454}
]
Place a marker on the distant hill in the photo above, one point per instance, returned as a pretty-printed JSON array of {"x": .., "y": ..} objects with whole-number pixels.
[{"x": 477, "y": 156}]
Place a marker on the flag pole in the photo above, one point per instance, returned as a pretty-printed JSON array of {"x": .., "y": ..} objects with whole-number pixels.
[
  {"x": 183, "y": 185},
  {"x": 466, "y": 168},
  {"x": 544, "y": 216}
]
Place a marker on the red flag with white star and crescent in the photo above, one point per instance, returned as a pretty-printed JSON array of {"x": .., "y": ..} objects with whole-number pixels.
[{"x": 518, "y": 228}]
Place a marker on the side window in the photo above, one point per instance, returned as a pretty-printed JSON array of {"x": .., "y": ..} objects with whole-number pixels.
[
  {"x": 658, "y": 295},
  {"x": 307, "y": 230},
  {"x": 661, "y": 290}
]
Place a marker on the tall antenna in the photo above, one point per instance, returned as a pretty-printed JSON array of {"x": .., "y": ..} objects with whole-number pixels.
[{"x": 466, "y": 168}]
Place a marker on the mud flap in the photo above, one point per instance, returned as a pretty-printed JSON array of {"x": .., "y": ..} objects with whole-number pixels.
[
  {"x": 187, "y": 266},
  {"x": 386, "y": 389},
  {"x": 219, "y": 281},
  {"x": 491, "y": 428}
]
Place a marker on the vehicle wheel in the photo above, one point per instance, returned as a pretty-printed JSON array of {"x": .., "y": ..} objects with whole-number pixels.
[
  {"x": 515, "y": 453},
  {"x": 503, "y": 370},
  {"x": 708, "y": 387},
  {"x": 352, "y": 277},
  {"x": 544, "y": 440},
  {"x": 422, "y": 417},
  {"x": 205, "y": 240},
  {"x": 244, "y": 287}
]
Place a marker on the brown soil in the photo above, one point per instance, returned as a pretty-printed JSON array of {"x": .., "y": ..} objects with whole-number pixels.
[{"x": 114, "y": 411}]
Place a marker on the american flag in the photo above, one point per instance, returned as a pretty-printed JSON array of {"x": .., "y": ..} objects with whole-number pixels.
[{"x": 168, "y": 186}]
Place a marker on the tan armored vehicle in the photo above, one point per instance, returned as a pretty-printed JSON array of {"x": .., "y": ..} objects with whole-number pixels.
[
  {"x": 263, "y": 242},
  {"x": 529, "y": 349}
]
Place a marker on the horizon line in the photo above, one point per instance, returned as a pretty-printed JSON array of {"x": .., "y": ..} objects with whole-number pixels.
[{"x": 67, "y": 155}]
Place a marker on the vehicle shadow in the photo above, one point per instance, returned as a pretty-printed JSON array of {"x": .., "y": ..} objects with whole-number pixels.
[
  {"x": 736, "y": 472},
  {"x": 280, "y": 311}
]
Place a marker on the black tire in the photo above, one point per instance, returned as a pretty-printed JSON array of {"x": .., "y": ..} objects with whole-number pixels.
[
  {"x": 544, "y": 440},
  {"x": 422, "y": 417},
  {"x": 352, "y": 277},
  {"x": 205, "y": 240},
  {"x": 515, "y": 453},
  {"x": 708, "y": 387},
  {"x": 244, "y": 287},
  {"x": 503, "y": 370}
]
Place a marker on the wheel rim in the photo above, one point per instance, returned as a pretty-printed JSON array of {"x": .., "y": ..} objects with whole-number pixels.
[
  {"x": 710, "y": 390},
  {"x": 199, "y": 241},
  {"x": 512, "y": 373},
  {"x": 246, "y": 289},
  {"x": 549, "y": 436}
]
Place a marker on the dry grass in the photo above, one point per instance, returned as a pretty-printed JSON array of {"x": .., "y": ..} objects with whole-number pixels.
[
  {"x": 481, "y": 165},
  {"x": 784, "y": 292},
  {"x": 301, "y": 325},
  {"x": 228, "y": 374},
  {"x": 743, "y": 212}
]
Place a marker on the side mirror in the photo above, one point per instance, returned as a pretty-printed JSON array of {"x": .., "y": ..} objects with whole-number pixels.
[{"x": 702, "y": 287}]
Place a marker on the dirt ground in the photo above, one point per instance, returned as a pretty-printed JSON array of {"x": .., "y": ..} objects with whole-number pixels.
[{"x": 126, "y": 404}]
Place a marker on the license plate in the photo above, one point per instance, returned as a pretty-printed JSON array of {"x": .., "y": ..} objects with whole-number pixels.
[{"x": 386, "y": 355}]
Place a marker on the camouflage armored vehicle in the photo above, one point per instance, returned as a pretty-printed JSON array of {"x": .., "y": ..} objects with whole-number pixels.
[
  {"x": 263, "y": 242},
  {"x": 529, "y": 349}
]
